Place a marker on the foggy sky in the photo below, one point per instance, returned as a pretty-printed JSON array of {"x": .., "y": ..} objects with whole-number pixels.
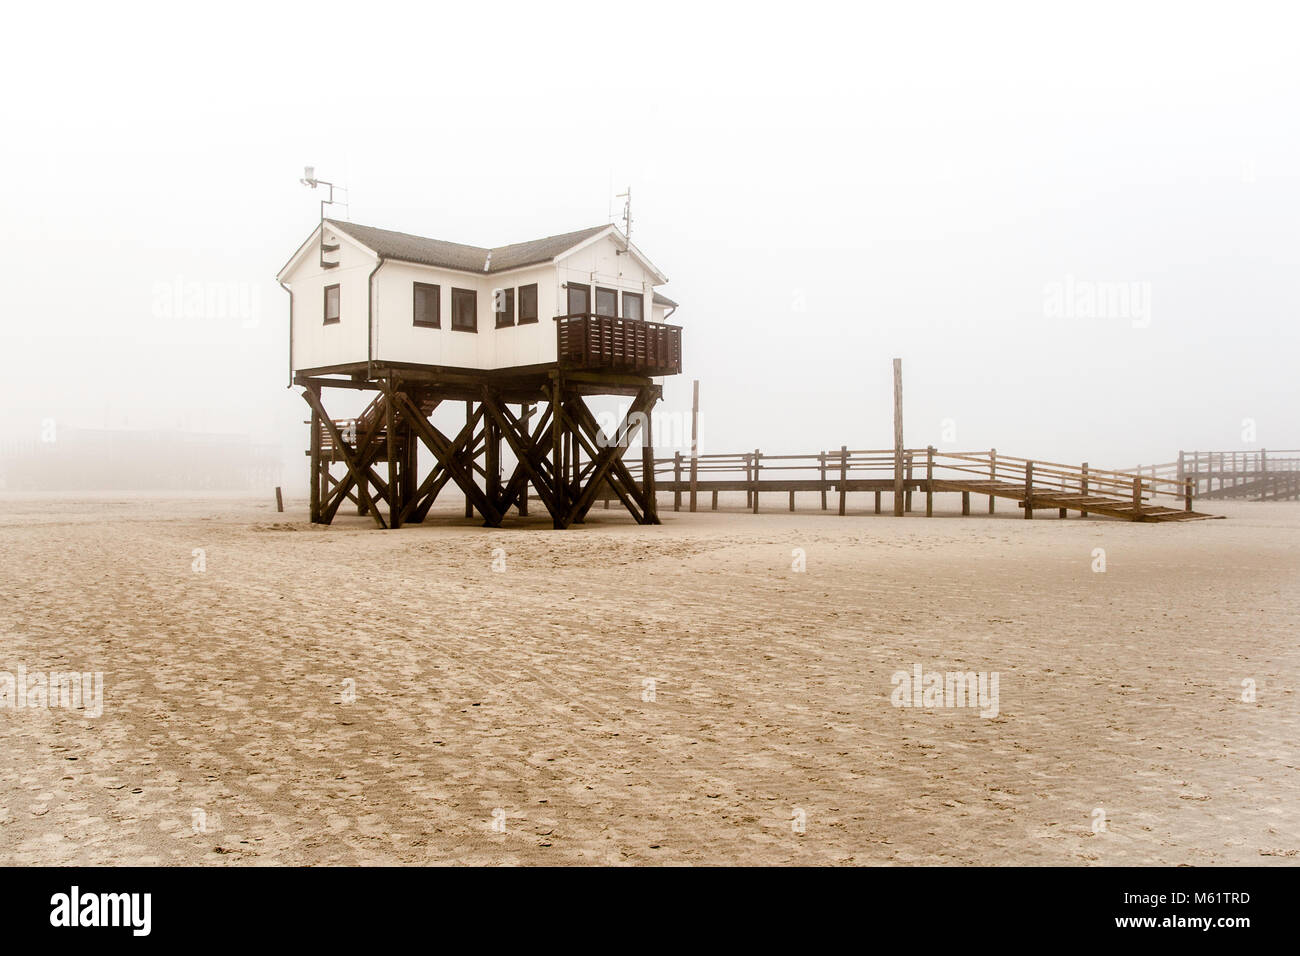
[{"x": 826, "y": 187}]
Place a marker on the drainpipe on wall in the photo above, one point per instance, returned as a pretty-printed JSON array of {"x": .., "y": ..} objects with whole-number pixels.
[
  {"x": 290, "y": 291},
  {"x": 370, "y": 316}
]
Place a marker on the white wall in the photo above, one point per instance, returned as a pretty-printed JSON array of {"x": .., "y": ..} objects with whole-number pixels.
[
  {"x": 602, "y": 264},
  {"x": 398, "y": 339},
  {"x": 315, "y": 344}
]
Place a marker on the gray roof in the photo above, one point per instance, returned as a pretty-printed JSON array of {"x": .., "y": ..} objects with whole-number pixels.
[
  {"x": 661, "y": 299},
  {"x": 455, "y": 255}
]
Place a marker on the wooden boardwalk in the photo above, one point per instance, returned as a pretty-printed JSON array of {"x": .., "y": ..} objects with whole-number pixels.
[
  {"x": 1219, "y": 475},
  {"x": 1033, "y": 485}
]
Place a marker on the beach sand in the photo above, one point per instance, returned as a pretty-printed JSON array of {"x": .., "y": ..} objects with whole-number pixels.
[{"x": 518, "y": 697}]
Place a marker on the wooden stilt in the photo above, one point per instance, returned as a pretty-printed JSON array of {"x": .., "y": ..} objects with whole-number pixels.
[{"x": 898, "y": 437}]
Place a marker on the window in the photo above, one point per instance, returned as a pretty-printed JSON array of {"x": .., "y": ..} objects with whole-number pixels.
[
  {"x": 579, "y": 299},
  {"x": 606, "y": 302},
  {"x": 527, "y": 303},
  {"x": 504, "y": 303},
  {"x": 427, "y": 306},
  {"x": 632, "y": 305},
  {"x": 331, "y": 304},
  {"x": 464, "y": 310}
]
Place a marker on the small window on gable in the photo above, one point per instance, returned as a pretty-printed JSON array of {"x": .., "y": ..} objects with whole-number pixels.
[
  {"x": 331, "y": 304},
  {"x": 464, "y": 310},
  {"x": 504, "y": 306},
  {"x": 426, "y": 305},
  {"x": 632, "y": 305},
  {"x": 579, "y": 299},
  {"x": 527, "y": 303},
  {"x": 606, "y": 302}
]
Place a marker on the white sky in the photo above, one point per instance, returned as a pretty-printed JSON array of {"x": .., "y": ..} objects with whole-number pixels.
[{"x": 915, "y": 177}]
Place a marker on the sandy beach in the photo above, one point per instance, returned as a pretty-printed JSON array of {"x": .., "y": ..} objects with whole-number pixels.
[{"x": 278, "y": 693}]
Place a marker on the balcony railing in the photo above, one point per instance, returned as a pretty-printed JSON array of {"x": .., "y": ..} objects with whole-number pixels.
[{"x": 588, "y": 341}]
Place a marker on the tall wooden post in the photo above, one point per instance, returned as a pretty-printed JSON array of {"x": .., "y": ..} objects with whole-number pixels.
[
  {"x": 898, "y": 438},
  {"x": 492, "y": 458},
  {"x": 695, "y": 441}
]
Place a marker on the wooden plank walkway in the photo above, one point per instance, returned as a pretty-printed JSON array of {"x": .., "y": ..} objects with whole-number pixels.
[{"x": 1032, "y": 485}]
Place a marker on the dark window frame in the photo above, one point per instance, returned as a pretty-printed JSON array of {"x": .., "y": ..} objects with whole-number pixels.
[
  {"x": 426, "y": 287},
  {"x": 520, "y": 318},
  {"x": 640, "y": 298},
  {"x": 461, "y": 293},
  {"x": 595, "y": 302},
  {"x": 509, "y": 314},
  {"x": 570, "y": 288},
  {"x": 338, "y": 305}
]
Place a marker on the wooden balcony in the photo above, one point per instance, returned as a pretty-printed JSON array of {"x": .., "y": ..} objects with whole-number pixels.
[{"x": 604, "y": 342}]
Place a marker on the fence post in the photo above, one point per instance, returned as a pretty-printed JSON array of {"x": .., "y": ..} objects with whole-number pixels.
[
  {"x": 695, "y": 441},
  {"x": 1187, "y": 496},
  {"x": 993, "y": 476},
  {"x": 821, "y": 461},
  {"x": 1263, "y": 473},
  {"x": 757, "y": 457},
  {"x": 1029, "y": 490},
  {"x": 907, "y": 495},
  {"x": 1137, "y": 498},
  {"x": 929, "y": 481},
  {"x": 844, "y": 476},
  {"x": 1083, "y": 488},
  {"x": 749, "y": 482},
  {"x": 677, "y": 481}
]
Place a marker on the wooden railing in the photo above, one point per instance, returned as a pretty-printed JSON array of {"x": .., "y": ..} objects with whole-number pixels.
[
  {"x": 920, "y": 469},
  {"x": 589, "y": 341},
  {"x": 1266, "y": 473}
]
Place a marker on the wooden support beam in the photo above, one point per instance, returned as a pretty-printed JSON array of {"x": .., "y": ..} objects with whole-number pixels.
[
  {"x": 1137, "y": 499},
  {"x": 757, "y": 458},
  {"x": 877, "y": 501},
  {"x": 316, "y": 480},
  {"x": 965, "y": 502},
  {"x": 390, "y": 432},
  {"x": 1083, "y": 486},
  {"x": 357, "y": 470},
  {"x": 898, "y": 437}
]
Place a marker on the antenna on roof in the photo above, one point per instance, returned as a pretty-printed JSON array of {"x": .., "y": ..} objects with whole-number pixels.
[
  {"x": 309, "y": 180},
  {"x": 627, "y": 213}
]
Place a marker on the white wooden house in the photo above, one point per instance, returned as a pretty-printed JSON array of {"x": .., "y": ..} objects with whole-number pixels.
[{"x": 362, "y": 296}]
